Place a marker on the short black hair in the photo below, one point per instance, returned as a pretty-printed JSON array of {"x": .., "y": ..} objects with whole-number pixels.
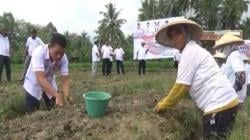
[
  {"x": 58, "y": 39},
  {"x": 34, "y": 31},
  {"x": 96, "y": 42}
]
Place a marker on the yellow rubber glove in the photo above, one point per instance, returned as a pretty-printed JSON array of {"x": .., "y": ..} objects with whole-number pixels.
[{"x": 175, "y": 95}]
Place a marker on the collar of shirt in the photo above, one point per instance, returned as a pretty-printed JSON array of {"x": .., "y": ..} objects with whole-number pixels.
[{"x": 47, "y": 58}]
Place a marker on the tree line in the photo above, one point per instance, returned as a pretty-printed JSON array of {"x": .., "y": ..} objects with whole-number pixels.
[{"x": 211, "y": 14}]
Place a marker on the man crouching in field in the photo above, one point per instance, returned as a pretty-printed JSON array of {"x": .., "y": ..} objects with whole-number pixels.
[{"x": 40, "y": 78}]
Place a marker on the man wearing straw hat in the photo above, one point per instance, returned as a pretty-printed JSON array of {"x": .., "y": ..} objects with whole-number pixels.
[
  {"x": 234, "y": 67},
  {"x": 199, "y": 75},
  {"x": 220, "y": 58},
  {"x": 4, "y": 53}
]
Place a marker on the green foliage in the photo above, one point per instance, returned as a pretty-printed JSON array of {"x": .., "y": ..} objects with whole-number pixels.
[
  {"x": 79, "y": 46},
  {"x": 12, "y": 107},
  {"x": 211, "y": 14},
  {"x": 109, "y": 28},
  {"x": 245, "y": 26}
]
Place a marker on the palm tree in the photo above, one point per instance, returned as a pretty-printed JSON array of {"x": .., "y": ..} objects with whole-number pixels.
[
  {"x": 232, "y": 12},
  {"x": 245, "y": 26},
  {"x": 109, "y": 28},
  {"x": 220, "y": 14},
  {"x": 156, "y": 9},
  {"x": 148, "y": 10},
  {"x": 207, "y": 13}
]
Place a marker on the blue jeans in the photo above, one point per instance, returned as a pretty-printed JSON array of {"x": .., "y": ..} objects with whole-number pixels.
[{"x": 32, "y": 104}]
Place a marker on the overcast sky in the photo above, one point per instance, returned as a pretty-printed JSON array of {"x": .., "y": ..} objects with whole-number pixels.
[{"x": 72, "y": 15}]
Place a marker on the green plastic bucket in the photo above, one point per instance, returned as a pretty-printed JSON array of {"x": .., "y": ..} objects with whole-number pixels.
[{"x": 96, "y": 103}]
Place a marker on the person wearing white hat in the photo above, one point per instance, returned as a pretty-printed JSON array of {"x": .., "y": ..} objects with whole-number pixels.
[
  {"x": 235, "y": 67},
  {"x": 248, "y": 77},
  {"x": 200, "y": 76},
  {"x": 220, "y": 58},
  {"x": 247, "y": 67}
]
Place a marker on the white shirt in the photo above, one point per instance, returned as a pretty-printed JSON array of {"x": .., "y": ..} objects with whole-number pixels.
[
  {"x": 95, "y": 51},
  {"x": 177, "y": 56},
  {"x": 141, "y": 51},
  {"x": 148, "y": 30},
  {"x": 223, "y": 68},
  {"x": 4, "y": 46},
  {"x": 210, "y": 89},
  {"x": 235, "y": 63},
  {"x": 111, "y": 53},
  {"x": 33, "y": 43},
  {"x": 248, "y": 73},
  {"x": 105, "y": 52},
  {"x": 138, "y": 33},
  {"x": 40, "y": 61},
  {"x": 119, "y": 54}
]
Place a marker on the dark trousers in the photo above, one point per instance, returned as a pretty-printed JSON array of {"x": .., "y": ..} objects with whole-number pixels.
[
  {"x": 119, "y": 65},
  {"x": 142, "y": 67},
  {"x": 26, "y": 66},
  {"x": 5, "y": 61},
  {"x": 32, "y": 104},
  {"x": 248, "y": 89},
  {"x": 176, "y": 64},
  {"x": 217, "y": 126},
  {"x": 110, "y": 65},
  {"x": 105, "y": 66}
]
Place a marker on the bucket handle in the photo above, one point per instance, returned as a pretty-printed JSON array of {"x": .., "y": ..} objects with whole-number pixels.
[{"x": 84, "y": 95}]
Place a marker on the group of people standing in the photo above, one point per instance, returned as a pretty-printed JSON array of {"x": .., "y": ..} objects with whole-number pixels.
[{"x": 107, "y": 54}]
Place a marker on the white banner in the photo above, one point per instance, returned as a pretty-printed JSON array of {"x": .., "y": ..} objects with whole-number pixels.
[
  {"x": 245, "y": 49},
  {"x": 145, "y": 32}
]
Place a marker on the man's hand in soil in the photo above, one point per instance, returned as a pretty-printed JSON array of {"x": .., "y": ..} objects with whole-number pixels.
[
  {"x": 59, "y": 100},
  {"x": 68, "y": 99}
]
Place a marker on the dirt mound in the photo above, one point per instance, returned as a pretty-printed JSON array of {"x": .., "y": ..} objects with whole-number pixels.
[{"x": 128, "y": 117}]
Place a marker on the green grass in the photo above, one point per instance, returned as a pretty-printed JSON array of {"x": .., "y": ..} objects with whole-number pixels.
[
  {"x": 151, "y": 65},
  {"x": 241, "y": 128}
]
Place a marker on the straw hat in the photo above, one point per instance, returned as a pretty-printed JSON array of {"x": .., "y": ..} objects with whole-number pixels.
[
  {"x": 192, "y": 27},
  {"x": 227, "y": 39},
  {"x": 219, "y": 55}
]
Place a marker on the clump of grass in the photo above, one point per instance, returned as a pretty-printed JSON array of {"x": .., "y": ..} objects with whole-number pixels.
[
  {"x": 239, "y": 131},
  {"x": 12, "y": 107}
]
